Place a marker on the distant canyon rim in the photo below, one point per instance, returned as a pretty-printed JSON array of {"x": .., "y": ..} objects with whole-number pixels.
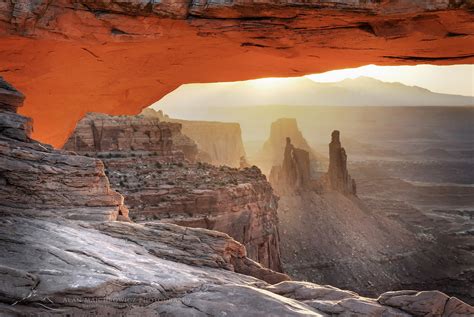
[{"x": 118, "y": 57}]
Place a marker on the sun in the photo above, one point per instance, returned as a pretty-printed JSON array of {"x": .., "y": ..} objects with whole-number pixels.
[{"x": 270, "y": 82}]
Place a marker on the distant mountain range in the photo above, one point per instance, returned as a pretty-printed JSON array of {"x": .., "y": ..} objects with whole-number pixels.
[{"x": 301, "y": 91}]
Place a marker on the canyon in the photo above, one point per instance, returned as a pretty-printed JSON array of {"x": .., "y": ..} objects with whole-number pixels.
[
  {"x": 330, "y": 235},
  {"x": 127, "y": 220},
  {"x": 160, "y": 182},
  {"x": 70, "y": 248},
  {"x": 128, "y": 54}
]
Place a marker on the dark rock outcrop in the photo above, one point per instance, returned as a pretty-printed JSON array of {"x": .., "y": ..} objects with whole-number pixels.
[
  {"x": 10, "y": 98},
  {"x": 37, "y": 179},
  {"x": 338, "y": 177}
]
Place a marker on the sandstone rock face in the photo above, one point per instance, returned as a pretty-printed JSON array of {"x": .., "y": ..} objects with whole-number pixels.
[
  {"x": 240, "y": 203},
  {"x": 338, "y": 177},
  {"x": 219, "y": 143},
  {"x": 300, "y": 170},
  {"x": 126, "y": 55},
  {"x": 55, "y": 265},
  {"x": 143, "y": 164},
  {"x": 10, "y": 98},
  {"x": 105, "y": 135},
  {"x": 295, "y": 172},
  {"x": 42, "y": 181},
  {"x": 53, "y": 188},
  {"x": 222, "y": 141}
]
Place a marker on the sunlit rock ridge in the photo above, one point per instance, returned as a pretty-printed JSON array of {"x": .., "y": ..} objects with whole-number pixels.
[{"x": 118, "y": 57}]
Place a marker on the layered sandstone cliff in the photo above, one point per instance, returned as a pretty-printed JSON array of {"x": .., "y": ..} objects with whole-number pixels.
[
  {"x": 294, "y": 174},
  {"x": 144, "y": 164},
  {"x": 53, "y": 264},
  {"x": 102, "y": 135},
  {"x": 219, "y": 143},
  {"x": 39, "y": 180}
]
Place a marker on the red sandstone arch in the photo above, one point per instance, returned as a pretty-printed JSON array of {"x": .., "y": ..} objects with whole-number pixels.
[{"x": 118, "y": 64}]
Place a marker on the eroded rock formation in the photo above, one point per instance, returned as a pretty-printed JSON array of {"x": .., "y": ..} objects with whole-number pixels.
[
  {"x": 219, "y": 143},
  {"x": 53, "y": 264},
  {"x": 294, "y": 174},
  {"x": 144, "y": 164},
  {"x": 299, "y": 169},
  {"x": 274, "y": 150},
  {"x": 39, "y": 180},
  {"x": 103, "y": 135},
  {"x": 128, "y": 54},
  {"x": 337, "y": 177}
]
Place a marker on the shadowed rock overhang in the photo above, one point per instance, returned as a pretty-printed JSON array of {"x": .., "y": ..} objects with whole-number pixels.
[{"x": 71, "y": 57}]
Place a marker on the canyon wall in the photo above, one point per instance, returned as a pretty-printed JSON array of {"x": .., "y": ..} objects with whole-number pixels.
[
  {"x": 39, "y": 180},
  {"x": 128, "y": 54},
  {"x": 219, "y": 143},
  {"x": 103, "y": 135},
  {"x": 143, "y": 163}
]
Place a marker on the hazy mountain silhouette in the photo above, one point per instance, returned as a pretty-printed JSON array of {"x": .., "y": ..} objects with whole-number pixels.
[{"x": 362, "y": 91}]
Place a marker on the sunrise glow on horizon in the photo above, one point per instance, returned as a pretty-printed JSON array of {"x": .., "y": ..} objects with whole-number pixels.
[{"x": 454, "y": 79}]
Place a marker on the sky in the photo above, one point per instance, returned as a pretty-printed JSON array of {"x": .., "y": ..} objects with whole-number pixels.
[
  {"x": 455, "y": 79},
  {"x": 318, "y": 89}
]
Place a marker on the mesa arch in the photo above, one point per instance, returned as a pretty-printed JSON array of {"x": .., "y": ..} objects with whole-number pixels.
[{"x": 74, "y": 56}]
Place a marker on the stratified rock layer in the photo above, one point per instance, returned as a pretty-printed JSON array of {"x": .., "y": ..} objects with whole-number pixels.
[
  {"x": 219, "y": 143},
  {"x": 103, "y": 135},
  {"x": 37, "y": 179},
  {"x": 53, "y": 265},
  {"x": 144, "y": 164}
]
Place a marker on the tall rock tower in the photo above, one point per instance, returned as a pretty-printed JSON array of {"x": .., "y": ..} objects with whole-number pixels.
[{"x": 338, "y": 177}]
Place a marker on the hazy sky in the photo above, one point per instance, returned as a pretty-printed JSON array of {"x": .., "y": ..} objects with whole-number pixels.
[
  {"x": 456, "y": 79},
  {"x": 318, "y": 89}
]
